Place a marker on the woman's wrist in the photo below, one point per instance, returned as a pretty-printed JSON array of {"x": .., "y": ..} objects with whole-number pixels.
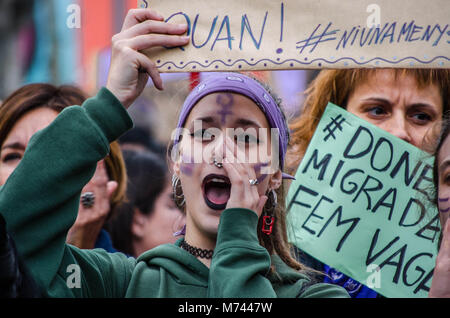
[{"x": 237, "y": 225}]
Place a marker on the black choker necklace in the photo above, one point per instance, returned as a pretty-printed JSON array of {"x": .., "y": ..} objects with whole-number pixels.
[{"x": 197, "y": 252}]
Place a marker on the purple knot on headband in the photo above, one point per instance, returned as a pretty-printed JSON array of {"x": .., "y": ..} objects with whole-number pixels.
[{"x": 244, "y": 85}]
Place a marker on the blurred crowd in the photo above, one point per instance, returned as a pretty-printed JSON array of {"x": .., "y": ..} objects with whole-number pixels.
[{"x": 129, "y": 204}]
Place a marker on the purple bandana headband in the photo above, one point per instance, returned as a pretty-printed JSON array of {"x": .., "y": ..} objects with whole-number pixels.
[{"x": 244, "y": 85}]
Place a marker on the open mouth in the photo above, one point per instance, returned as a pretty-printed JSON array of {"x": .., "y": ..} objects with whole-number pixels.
[{"x": 216, "y": 191}]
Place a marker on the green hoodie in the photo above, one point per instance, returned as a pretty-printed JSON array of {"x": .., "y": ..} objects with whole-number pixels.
[{"x": 40, "y": 203}]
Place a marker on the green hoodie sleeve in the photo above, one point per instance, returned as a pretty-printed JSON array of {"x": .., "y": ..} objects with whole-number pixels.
[
  {"x": 40, "y": 199},
  {"x": 239, "y": 264}
]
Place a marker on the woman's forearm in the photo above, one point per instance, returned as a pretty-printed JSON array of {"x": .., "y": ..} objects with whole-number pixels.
[{"x": 40, "y": 200}]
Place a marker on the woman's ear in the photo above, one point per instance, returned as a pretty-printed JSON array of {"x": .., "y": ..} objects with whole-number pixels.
[
  {"x": 176, "y": 167},
  {"x": 138, "y": 224},
  {"x": 175, "y": 159},
  {"x": 276, "y": 180}
]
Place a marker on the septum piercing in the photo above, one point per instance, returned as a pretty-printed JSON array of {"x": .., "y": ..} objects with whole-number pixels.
[{"x": 218, "y": 164}]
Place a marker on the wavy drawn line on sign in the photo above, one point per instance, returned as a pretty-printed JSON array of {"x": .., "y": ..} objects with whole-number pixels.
[{"x": 309, "y": 62}]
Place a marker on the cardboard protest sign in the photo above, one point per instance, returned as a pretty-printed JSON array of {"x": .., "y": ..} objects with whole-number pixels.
[
  {"x": 291, "y": 34},
  {"x": 362, "y": 203}
]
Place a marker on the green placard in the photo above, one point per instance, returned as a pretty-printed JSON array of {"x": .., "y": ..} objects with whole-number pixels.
[{"x": 362, "y": 203}]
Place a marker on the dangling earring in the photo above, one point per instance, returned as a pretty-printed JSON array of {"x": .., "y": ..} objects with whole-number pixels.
[
  {"x": 177, "y": 192},
  {"x": 268, "y": 218}
]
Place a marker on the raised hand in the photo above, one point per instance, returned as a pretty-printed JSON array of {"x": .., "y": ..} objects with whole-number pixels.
[
  {"x": 90, "y": 220},
  {"x": 130, "y": 69},
  {"x": 243, "y": 194}
]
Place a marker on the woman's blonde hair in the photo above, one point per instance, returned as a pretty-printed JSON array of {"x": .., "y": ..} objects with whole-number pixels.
[{"x": 336, "y": 86}]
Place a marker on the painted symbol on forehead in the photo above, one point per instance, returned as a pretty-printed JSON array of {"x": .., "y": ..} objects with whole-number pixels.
[
  {"x": 443, "y": 200},
  {"x": 226, "y": 101},
  {"x": 187, "y": 166},
  {"x": 258, "y": 167}
]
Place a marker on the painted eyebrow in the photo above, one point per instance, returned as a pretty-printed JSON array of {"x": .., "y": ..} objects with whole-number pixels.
[
  {"x": 240, "y": 121},
  {"x": 15, "y": 145},
  {"x": 444, "y": 165},
  {"x": 247, "y": 122},
  {"x": 206, "y": 119}
]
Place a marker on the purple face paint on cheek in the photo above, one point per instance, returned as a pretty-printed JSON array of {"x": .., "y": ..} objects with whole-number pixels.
[
  {"x": 258, "y": 167},
  {"x": 441, "y": 200},
  {"x": 225, "y": 101},
  {"x": 186, "y": 169},
  {"x": 261, "y": 178},
  {"x": 187, "y": 166}
]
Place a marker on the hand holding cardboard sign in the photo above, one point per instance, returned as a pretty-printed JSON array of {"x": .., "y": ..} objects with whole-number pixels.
[{"x": 130, "y": 69}]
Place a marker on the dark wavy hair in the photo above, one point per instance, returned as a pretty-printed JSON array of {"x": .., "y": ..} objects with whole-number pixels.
[
  {"x": 445, "y": 130},
  {"x": 147, "y": 179}
]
